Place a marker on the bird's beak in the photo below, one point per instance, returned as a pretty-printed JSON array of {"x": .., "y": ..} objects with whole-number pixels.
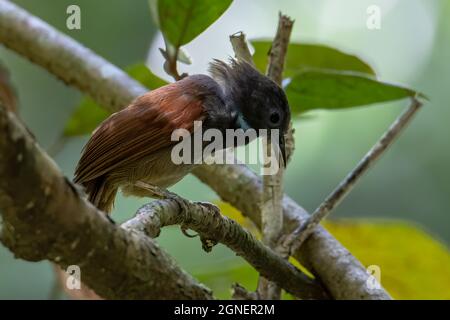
[{"x": 282, "y": 149}]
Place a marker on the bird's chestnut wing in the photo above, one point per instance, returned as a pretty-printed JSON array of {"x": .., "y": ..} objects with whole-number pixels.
[{"x": 139, "y": 130}]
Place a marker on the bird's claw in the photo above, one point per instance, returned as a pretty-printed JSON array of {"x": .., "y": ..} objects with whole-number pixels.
[
  {"x": 208, "y": 244},
  {"x": 184, "y": 230}
]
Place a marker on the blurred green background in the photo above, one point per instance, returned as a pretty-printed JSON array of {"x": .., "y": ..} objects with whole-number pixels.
[{"x": 411, "y": 182}]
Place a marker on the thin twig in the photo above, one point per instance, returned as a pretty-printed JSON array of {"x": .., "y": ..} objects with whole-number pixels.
[
  {"x": 295, "y": 240},
  {"x": 206, "y": 220},
  {"x": 271, "y": 211},
  {"x": 278, "y": 51}
]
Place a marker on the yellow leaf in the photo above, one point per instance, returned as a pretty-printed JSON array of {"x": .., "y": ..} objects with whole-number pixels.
[{"x": 413, "y": 264}]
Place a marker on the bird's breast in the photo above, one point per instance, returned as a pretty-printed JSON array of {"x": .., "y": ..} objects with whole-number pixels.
[{"x": 158, "y": 169}]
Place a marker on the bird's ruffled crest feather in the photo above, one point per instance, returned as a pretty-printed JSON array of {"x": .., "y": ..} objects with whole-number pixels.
[{"x": 235, "y": 76}]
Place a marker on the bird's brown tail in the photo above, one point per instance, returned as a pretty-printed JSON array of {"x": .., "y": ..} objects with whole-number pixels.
[{"x": 101, "y": 193}]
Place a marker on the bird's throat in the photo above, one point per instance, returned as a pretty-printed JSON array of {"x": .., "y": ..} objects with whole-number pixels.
[{"x": 241, "y": 122}]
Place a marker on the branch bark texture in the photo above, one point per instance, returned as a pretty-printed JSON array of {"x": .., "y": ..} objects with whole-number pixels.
[
  {"x": 271, "y": 211},
  {"x": 240, "y": 47},
  {"x": 206, "y": 220}
]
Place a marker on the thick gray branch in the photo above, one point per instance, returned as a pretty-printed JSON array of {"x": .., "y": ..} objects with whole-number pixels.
[
  {"x": 206, "y": 220},
  {"x": 341, "y": 273},
  {"x": 44, "y": 217}
]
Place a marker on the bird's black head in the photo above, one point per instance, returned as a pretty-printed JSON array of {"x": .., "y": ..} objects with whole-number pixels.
[{"x": 259, "y": 102}]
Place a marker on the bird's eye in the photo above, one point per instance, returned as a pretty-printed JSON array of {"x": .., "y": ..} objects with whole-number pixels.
[{"x": 274, "y": 118}]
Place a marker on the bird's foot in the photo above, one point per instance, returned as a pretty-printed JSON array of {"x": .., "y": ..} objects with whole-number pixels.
[
  {"x": 207, "y": 244},
  {"x": 155, "y": 192}
]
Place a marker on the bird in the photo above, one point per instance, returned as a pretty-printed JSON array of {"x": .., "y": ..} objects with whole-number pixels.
[{"x": 131, "y": 149}]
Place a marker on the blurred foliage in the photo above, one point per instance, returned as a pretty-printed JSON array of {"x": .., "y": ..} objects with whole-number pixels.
[
  {"x": 7, "y": 93},
  {"x": 88, "y": 114},
  {"x": 141, "y": 73},
  {"x": 303, "y": 56},
  {"x": 233, "y": 213},
  {"x": 399, "y": 249},
  {"x": 85, "y": 118},
  {"x": 322, "y": 89},
  {"x": 220, "y": 280}
]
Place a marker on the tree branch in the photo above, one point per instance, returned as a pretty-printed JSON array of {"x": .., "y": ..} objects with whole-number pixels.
[
  {"x": 44, "y": 217},
  {"x": 295, "y": 240},
  {"x": 278, "y": 50},
  {"x": 206, "y": 220},
  {"x": 340, "y": 272}
]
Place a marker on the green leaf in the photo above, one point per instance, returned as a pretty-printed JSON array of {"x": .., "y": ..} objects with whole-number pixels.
[
  {"x": 183, "y": 20},
  {"x": 85, "y": 118},
  {"x": 220, "y": 280},
  {"x": 310, "y": 56},
  {"x": 142, "y": 74},
  {"x": 184, "y": 57},
  {"x": 311, "y": 90},
  {"x": 88, "y": 115},
  {"x": 413, "y": 265}
]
